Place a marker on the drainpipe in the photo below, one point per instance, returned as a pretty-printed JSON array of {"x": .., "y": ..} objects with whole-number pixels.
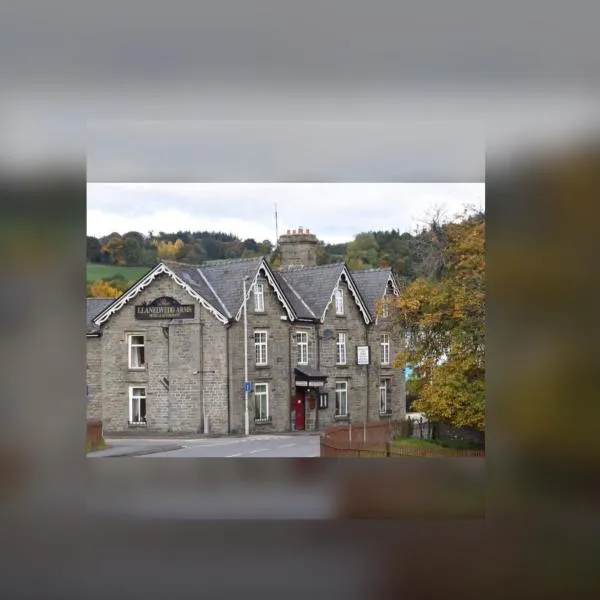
[
  {"x": 318, "y": 351},
  {"x": 290, "y": 340},
  {"x": 202, "y": 380},
  {"x": 368, "y": 387},
  {"x": 229, "y": 375}
]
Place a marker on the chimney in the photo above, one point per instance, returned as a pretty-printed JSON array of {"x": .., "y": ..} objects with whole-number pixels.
[{"x": 298, "y": 248}]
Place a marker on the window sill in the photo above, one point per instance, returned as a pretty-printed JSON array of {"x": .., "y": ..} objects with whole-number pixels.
[
  {"x": 136, "y": 424},
  {"x": 262, "y": 366},
  {"x": 137, "y": 369},
  {"x": 266, "y": 421},
  {"x": 385, "y": 415},
  {"x": 341, "y": 417},
  {"x": 341, "y": 365}
]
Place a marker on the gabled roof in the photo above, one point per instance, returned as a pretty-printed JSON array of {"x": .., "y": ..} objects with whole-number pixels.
[
  {"x": 301, "y": 308},
  {"x": 192, "y": 288},
  {"x": 93, "y": 307},
  {"x": 373, "y": 284},
  {"x": 314, "y": 285},
  {"x": 305, "y": 292},
  {"x": 226, "y": 277}
]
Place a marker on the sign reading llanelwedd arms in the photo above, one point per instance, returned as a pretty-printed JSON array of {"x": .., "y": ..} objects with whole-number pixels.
[{"x": 164, "y": 308}]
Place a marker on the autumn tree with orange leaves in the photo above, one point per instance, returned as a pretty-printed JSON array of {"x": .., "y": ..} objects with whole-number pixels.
[{"x": 442, "y": 319}]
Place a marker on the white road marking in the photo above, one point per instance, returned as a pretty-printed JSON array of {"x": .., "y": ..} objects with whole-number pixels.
[
  {"x": 259, "y": 450},
  {"x": 287, "y": 445},
  {"x": 232, "y": 455}
]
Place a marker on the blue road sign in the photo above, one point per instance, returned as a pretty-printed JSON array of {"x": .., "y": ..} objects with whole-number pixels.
[{"x": 248, "y": 386}]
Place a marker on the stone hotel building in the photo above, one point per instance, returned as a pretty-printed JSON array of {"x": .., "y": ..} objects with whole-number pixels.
[{"x": 168, "y": 354}]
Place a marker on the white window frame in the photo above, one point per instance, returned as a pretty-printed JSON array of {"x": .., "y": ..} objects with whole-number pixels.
[
  {"x": 339, "y": 301},
  {"x": 340, "y": 349},
  {"x": 341, "y": 392},
  {"x": 261, "y": 344},
  {"x": 143, "y": 396},
  {"x": 385, "y": 348},
  {"x": 264, "y": 392},
  {"x": 385, "y": 388},
  {"x": 302, "y": 347},
  {"x": 131, "y": 346},
  {"x": 259, "y": 297}
]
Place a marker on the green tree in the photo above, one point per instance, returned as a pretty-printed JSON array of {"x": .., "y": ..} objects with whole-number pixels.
[
  {"x": 363, "y": 252},
  {"x": 94, "y": 249},
  {"x": 442, "y": 318},
  {"x": 132, "y": 251}
]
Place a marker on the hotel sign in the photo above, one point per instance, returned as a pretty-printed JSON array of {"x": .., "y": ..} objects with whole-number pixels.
[{"x": 164, "y": 308}]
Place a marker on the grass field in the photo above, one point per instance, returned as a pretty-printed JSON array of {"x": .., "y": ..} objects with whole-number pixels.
[{"x": 96, "y": 272}]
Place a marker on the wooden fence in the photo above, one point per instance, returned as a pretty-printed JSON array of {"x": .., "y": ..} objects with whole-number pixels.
[{"x": 375, "y": 440}]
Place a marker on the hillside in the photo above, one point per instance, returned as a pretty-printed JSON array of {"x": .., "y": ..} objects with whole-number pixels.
[{"x": 117, "y": 260}]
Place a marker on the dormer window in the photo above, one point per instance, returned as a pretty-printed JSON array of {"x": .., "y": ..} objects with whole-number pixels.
[
  {"x": 339, "y": 301},
  {"x": 259, "y": 297}
]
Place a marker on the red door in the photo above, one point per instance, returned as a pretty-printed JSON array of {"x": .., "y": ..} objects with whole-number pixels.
[{"x": 298, "y": 407}]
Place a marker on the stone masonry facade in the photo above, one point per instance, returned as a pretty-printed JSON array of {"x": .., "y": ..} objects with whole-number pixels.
[{"x": 192, "y": 377}]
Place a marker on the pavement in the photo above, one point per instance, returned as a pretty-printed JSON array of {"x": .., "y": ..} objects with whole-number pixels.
[{"x": 254, "y": 446}]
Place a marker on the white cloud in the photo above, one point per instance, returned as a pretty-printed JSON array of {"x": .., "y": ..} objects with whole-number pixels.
[{"x": 334, "y": 212}]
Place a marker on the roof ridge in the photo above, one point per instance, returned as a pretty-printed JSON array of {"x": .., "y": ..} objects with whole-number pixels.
[
  {"x": 303, "y": 268},
  {"x": 228, "y": 261},
  {"x": 374, "y": 270}
]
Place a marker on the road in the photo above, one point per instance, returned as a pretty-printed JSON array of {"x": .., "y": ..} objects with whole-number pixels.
[
  {"x": 260, "y": 446},
  {"x": 256, "y": 446}
]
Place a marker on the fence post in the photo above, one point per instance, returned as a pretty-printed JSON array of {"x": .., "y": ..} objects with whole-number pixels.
[{"x": 388, "y": 449}]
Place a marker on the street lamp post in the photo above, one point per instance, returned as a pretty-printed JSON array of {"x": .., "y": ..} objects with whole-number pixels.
[{"x": 246, "y": 420}]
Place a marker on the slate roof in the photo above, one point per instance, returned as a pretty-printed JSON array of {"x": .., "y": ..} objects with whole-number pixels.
[
  {"x": 226, "y": 277},
  {"x": 314, "y": 284},
  {"x": 371, "y": 284},
  {"x": 307, "y": 290},
  {"x": 93, "y": 307}
]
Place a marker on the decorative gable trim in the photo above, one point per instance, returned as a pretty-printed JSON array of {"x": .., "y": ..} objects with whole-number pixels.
[
  {"x": 143, "y": 283},
  {"x": 395, "y": 287},
  {"x": 264, "y": 267},
  {"x": 345, "y": 274}
]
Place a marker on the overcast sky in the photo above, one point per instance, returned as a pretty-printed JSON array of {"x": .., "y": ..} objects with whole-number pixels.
[{"x": 334, "y": 212}]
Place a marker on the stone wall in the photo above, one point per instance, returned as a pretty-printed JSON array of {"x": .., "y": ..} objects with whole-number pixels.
[
  {"x": 94, "y": 378},
  {"x": 397, "y": 394},
  {"x": 353, "y": 325},
  {"x": 173, "y": 351},
  {"x": 276, "y": 374}
]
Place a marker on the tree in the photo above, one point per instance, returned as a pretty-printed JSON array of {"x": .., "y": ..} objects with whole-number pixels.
[
  {"x": 132, "y": 251},
  {"x": 114, "y": 249},
  {"x": 94, "y": 249},
  {"x": 443, "y": 323},
  {"x": 102, "y": 289},
  {"x": 363, "y": 252}
]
